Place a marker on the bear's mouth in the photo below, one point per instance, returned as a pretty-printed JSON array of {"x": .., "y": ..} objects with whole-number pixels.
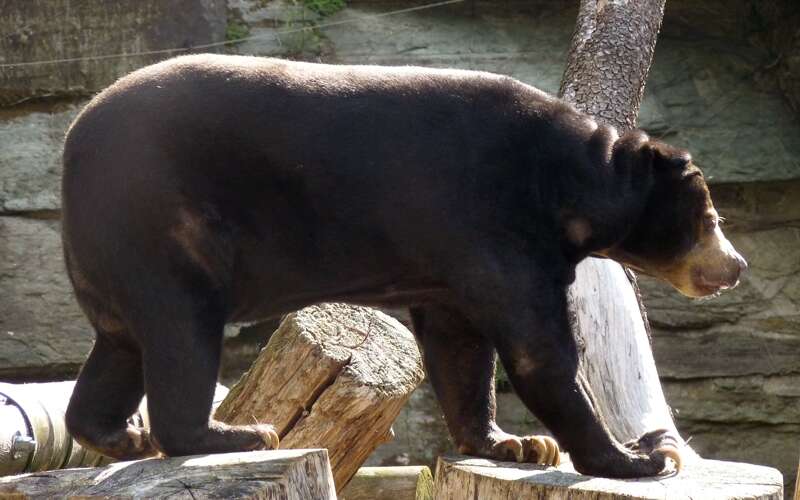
[{"x": 709, "y": 286}]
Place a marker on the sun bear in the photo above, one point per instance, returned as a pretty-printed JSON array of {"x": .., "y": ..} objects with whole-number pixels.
[{"x": 210, "y": 189}]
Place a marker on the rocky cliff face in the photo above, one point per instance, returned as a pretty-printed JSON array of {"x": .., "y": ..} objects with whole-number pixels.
[
  {"x": 723, "y": 84},
  {"x": 43, "y": 334},
  {"x": 78, "y": 32},
  {"x": 779, "y": 34}
]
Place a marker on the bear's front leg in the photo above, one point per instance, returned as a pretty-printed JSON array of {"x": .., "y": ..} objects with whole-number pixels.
[
  {"x": 460, "y": 364},
  {"x": 522, "y": 308}
]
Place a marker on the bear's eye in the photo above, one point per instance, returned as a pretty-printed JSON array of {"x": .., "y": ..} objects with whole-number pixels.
[{"x": 710, "y": 222}]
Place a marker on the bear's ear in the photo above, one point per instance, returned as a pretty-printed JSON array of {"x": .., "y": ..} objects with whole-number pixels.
[
  {"x": 632, "y": 149},
  {"x": 668, "y": 157}
]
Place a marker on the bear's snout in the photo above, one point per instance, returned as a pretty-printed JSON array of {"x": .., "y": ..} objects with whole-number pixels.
[
  {"x": 740, "y": 263},
  {"x": 712, "y": 275},
  {"x": 736, "y": 266}
]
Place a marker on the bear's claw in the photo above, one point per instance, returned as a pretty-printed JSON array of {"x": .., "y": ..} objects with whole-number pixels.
[
  {"x": 553, "y": 453},
  {"x": 542, "y": 450},
  {"x": 269, "y": 436},
  {"x": 659, "y": 443},
  {"x": 673, "y": 453}
]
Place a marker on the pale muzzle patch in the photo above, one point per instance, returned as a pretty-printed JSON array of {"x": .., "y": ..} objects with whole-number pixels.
[{"x": 711, "y": 266}]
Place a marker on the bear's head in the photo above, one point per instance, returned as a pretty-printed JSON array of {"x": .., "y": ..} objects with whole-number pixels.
[{"x": 678, "y": 236}]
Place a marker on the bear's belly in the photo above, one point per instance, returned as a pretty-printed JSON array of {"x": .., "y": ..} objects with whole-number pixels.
[{"x": 257, "y": 303}]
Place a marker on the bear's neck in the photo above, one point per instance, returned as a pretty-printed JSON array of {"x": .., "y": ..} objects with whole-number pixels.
[{"x": 600, "y": 218}]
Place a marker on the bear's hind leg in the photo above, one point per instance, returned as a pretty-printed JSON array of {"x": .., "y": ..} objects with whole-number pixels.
[
  {"x": 107, "y": 392},
  {"x": 182, "y": 343},
  {"x": 460, "y": 364}
]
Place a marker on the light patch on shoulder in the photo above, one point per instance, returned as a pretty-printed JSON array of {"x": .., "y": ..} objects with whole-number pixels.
[
  {"x": 578, "y": 231},
  {"x": 524, "y": 366}
]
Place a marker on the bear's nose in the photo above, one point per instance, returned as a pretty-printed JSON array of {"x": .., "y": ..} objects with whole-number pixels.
[
  {"x": 738, "y": 267},
  {"x": 740, "y": 260}
]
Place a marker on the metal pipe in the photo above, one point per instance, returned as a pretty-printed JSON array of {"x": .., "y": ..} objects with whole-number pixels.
[{"x": 33, "y": 435}]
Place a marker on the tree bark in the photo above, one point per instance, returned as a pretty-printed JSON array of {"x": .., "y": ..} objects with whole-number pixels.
[
  {"x": 610, "y": 56},
  {"x": 466, "y": 477},
  {"x": 332, "y": 376},
  {"x": 267, "y": 475}
]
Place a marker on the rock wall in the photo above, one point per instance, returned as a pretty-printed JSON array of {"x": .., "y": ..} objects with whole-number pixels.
[
  {"x": 79, "y": 32},
  {"x": 780, "y": 34},
  {"x": 723, "y": 84},
  {"x": 43, "y": 334}
]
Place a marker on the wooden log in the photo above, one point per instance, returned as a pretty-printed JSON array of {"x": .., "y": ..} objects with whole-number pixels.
[
  {"x": 459, "y": 477},
  {"x": 413, "y": 482},
  {"x": 273, "y": 475},
  {"x": 797, "y": 484},
  {"x": 332, "y": 376}
]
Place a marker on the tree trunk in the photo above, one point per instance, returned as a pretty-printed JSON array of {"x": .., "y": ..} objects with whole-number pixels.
[
  {"x": 332, "y": 376},
  {"x": 267, "y": 475},
  {"x": 797, "y": 484},
  {"x": 612, "y": 48},
  {"x": 609, "y": 58},
  {"x": 465, "y": 477}
]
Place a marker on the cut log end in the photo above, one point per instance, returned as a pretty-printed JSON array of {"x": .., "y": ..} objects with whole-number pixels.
[
  {"x": 274, "y": 475},
  {"x": 332, "y": 376},
  {"x": 460, "y": 477}
]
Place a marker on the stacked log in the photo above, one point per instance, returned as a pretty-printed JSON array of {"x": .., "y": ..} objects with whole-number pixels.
[
  {"x": 332, "y": 376},
  {"x": 412, "y": 482},
  {"x": 459, "y": 477},
  {"x": 270, "y": 475}
]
